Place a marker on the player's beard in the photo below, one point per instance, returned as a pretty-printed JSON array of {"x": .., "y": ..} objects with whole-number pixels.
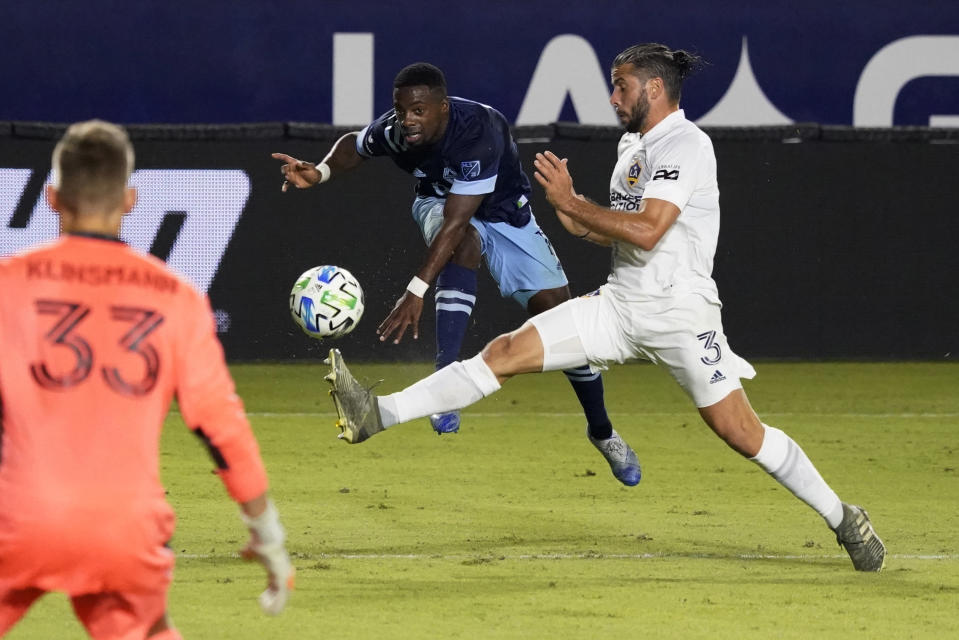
[{"x": 639, "y": 114}]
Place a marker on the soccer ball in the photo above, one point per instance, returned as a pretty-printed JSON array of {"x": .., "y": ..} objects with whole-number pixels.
[{"x": 326, "y": 302}]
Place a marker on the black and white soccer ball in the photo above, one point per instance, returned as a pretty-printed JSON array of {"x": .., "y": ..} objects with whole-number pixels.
[{"x": 326, "y": 302}]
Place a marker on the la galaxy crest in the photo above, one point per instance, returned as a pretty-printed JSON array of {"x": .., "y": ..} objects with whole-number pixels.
[{"x": 633, "y": 176}]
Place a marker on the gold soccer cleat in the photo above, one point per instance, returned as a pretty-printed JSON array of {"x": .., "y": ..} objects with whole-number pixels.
[{"x": 356, "y": 406}]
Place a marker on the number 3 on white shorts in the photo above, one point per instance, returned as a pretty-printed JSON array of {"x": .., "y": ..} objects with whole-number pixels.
[{"x": 709, "y": 338}]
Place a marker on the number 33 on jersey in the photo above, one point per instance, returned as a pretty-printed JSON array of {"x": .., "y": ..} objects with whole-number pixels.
[{"x": 75, "y": 355}]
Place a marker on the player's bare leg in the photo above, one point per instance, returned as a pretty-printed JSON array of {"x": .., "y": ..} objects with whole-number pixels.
[
  {"x": 734, "y": 420},
  {"x": 513, "y": 353}
]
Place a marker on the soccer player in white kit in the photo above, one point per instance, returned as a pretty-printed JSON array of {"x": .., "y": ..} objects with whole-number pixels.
[{"x": 659, "y": 303}]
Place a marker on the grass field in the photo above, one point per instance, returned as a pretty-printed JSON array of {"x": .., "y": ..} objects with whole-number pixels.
[{"x": 515, "y": 528}]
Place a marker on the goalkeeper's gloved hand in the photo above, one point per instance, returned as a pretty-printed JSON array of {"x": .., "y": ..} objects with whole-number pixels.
[{"x": 266, "y": 547}]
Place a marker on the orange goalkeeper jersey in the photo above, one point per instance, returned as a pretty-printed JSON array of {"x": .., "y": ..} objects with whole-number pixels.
[{"x": 95, "y": 341}]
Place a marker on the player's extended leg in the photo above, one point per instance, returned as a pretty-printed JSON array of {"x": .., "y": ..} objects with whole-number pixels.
[
  {"x": 455, "y": 297},
  {"x": 588, "y": 385},
  {"x": 362, "y": 414},
  {"x": 14, "y": 604},
  {"x": 734, "y": 420}
]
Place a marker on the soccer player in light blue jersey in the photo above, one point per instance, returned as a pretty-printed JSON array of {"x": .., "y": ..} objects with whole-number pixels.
[{"x": 472, "y": 202}]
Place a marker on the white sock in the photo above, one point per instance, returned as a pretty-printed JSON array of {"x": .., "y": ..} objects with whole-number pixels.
[
  {"x": 455, "y": 386},
  {"x": 785, "y": 460}
]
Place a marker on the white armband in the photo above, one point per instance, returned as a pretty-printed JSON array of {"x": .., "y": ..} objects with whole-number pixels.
[
  {"x": 417, "y": 287},
  {"x": 324, "y": 170}
]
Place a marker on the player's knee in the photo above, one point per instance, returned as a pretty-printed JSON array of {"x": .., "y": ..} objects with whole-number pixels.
[
  {"x": 497, "y": 354},
  {"x": 513, "y": 353},
  {"x": 504, "y": 355}
]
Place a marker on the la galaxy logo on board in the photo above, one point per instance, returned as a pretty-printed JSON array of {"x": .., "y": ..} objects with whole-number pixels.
[{"x": 633, "y": 177}]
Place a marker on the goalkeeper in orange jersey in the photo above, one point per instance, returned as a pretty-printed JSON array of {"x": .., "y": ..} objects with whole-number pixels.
[{"x": 96, "y": 340}]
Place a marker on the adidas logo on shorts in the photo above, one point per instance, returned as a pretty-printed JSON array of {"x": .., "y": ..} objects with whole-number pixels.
[{"x": 717, "y": 377}]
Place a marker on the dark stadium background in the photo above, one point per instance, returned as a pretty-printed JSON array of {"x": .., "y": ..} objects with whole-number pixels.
[{"x": 836, "y": 241}]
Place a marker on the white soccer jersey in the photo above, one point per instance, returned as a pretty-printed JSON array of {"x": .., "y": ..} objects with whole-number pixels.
[{"x": 673, "y": 161}]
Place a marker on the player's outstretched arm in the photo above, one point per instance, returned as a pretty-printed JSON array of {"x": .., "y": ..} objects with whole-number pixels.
[
  {"x": 214, "y": 412},
  {"x": 406, "y": 312},
  {"x": 303, "y": 175},
  {"x": 267, "y": 546}
]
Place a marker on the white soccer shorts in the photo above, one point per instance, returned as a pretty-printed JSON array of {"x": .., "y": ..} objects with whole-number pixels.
[{"x": 687, "y": 339}]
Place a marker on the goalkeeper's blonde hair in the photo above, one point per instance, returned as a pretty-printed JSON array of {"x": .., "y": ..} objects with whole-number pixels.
[{"x": 92, "y": 164}]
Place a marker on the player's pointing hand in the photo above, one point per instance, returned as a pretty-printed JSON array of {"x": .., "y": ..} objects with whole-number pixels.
[{"x": 299, "y": 173}]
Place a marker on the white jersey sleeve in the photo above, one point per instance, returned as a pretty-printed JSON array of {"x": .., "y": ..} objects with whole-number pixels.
[{"x": 676, "y": 170}]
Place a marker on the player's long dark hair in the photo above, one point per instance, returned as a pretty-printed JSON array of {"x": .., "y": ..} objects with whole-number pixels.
[{"x": 654, "y": 60}]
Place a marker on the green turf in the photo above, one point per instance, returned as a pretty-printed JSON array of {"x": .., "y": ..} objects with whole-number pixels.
[{"x": 514, "y": 528}]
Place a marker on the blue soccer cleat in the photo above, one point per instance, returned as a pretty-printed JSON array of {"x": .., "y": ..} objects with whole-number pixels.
[
  {"x": 621, "y": 458},
  {"x": 445, "y": 422}
]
